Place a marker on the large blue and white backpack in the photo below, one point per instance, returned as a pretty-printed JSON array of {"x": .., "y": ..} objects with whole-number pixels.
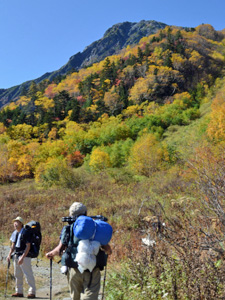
[
  {"x": 85, "y": 228},
  {"x": 92, "y": 233}
]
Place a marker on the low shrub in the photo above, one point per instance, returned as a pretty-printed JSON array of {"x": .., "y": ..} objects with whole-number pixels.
[{"x": 57, "y": 172}]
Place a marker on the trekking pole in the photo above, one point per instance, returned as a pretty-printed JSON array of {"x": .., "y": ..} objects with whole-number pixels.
[
  {"x": 7, "y": 276},
  {"x": 50, "y": 278},
  {"x": 103, "y": 288}
]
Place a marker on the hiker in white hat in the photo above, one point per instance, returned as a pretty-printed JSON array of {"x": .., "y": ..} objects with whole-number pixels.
[{"x": 19, "y": 250}]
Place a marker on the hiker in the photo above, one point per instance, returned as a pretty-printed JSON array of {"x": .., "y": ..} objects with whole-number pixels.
[
  {"x": 82, "y": 284},
  {"x": 21, "y": 242}
]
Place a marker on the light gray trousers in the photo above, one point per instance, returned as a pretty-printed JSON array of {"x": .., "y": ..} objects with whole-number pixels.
[{"x": 24, "y": 269}]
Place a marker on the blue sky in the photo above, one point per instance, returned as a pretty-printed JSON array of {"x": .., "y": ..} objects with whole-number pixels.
[{"x": 40, "y": 36}]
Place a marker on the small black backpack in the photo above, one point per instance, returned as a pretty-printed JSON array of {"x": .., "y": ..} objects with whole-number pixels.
[{"x": 34, "y": 229}]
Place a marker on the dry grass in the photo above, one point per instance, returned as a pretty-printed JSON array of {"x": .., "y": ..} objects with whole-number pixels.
[
  {"x": 120, "y": 203},
  {"x": 166, "y": 195},
  {"x": 10, "y": 282},
  {"x": 125, "y": 206}
]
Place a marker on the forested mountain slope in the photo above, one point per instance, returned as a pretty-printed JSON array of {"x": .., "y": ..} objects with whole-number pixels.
[
  {"x": 98, "y": 114},
  {"x": 114, "y": 39}
]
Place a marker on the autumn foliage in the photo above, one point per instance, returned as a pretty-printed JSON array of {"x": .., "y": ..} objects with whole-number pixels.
[
  {"x": 116, "y": 113},
  {"x": 136, "y": 137}
]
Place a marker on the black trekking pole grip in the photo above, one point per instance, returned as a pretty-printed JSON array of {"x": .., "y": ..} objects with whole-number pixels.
[{"x": 50, "y": 278}]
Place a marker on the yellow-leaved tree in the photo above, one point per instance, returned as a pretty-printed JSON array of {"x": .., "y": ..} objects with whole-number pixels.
[
  {"x": 146, "y": 155},
  {"x": 216, "y": 127},
  {"x": 44, "y": 102},
  {"x": 20, "y": 132},
  {"x": 112, "y": 100},
  {"x": 7, "y": 170},
  {"x": 2, "y": 128},
  {"x": 55, "y": 171},
  {"x": 24, "y": 165},
  {"x": 99, "y": 160},
  {"x": 21, "y": 158}
]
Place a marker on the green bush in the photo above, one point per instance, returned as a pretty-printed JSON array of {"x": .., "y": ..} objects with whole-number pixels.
[
  {"x": 144, "y": 280},
  {"x": 57, "y": 172},
  {"x": 119, "y": 152}
]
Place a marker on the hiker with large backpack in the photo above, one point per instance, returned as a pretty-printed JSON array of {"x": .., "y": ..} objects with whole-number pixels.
[
  {"x": 84, "y": 248},
  {"x": 20, "y": 250}
]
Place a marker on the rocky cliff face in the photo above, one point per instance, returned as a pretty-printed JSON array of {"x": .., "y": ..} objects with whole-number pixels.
[{"x": 115, "y": 38}]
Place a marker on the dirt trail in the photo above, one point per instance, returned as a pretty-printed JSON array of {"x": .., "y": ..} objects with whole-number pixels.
[
  {"x": 41, "y": 269},
  {"x": 59, "y": 282}
]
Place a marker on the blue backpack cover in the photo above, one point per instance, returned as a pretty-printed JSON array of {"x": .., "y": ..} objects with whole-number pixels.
[
  {"x": 103, "y": 232},
  {"x": 85, "y": 228}
]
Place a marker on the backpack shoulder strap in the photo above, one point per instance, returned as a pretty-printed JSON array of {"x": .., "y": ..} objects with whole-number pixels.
[
  {"x": 73, "y": 241},
  {"x": 25, "y": 235},
  {"x": 67, "y": 236}
]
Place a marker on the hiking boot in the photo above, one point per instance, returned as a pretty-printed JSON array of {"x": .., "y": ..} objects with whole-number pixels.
[
  {"x": 17, "y": 295},
  {"x": 31, "y": 296}
]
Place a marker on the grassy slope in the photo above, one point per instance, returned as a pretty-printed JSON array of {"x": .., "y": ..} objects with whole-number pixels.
[{"x": 186, "y": 138}]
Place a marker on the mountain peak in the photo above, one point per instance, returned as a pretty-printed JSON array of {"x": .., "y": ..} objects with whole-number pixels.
[{"x": 114, "y": 39}]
